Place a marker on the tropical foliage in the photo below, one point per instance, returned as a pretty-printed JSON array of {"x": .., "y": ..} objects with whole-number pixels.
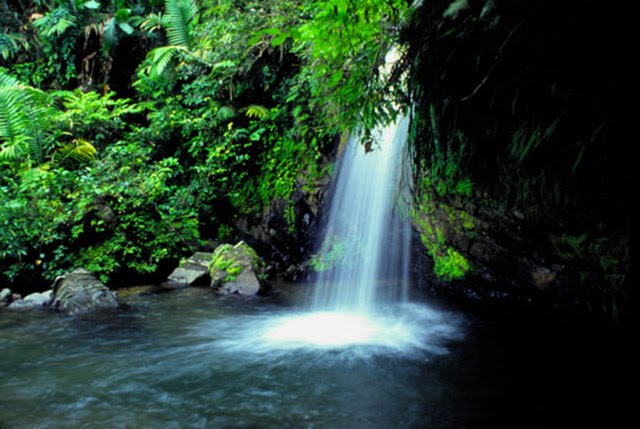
[{"x": 134, "y": 131}]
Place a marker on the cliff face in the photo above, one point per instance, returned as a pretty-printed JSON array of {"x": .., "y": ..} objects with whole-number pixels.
[{"x": 522, "y": 164}]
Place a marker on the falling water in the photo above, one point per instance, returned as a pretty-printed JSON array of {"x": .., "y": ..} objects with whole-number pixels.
[
  {"x": 360, "y": 297},
  {"x": 365, "y": 248}
]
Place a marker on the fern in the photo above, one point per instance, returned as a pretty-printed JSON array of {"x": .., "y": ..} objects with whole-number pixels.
[
  {"x": 24, "y": 113},
  {"x": 256, "y": 111},
  {"x": 80, "y": 150},
  {"x": 178, "y": 21},
  {"x": 225, "y": 113},
  {"x": 154, "y": 22},
  {"x": 10, "y": 44},
  {"x": 55, "y": 22}
]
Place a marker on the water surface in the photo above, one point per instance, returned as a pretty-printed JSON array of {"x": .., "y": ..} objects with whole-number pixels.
[{"x": 189, "y": 359}]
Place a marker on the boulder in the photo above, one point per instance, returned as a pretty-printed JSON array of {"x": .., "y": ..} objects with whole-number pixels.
[
  {"x": 193, "y": 271},
  {"x": 5, "y": 295},
  {"x": 79, "y": 292},
  {"x": 237, "y": 270},
  {"x": 34, "y": 300}
]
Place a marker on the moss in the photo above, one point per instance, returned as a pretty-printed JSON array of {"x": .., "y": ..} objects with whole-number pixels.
[
  {"x": 468, "y": 221},
  {"x": 232, "y": 260},
  {"x": 449, "y": 264},
  {"x": 223, "y": 260}
]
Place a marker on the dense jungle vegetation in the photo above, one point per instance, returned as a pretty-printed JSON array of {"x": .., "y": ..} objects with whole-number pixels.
[
  {"x": 133, "y": 132},
  {"x": 136, "y": 131}
]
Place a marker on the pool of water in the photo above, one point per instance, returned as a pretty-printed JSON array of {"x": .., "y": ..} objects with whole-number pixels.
[{"x": 189, "y": 359}]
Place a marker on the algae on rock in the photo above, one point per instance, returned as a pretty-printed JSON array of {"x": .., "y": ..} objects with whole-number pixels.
[{"x": 237, "y": 269}]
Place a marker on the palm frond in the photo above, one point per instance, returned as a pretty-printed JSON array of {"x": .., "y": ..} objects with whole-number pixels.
[
  {"x": 161, "y": 58},
  {"x": 180, "y": 15}
]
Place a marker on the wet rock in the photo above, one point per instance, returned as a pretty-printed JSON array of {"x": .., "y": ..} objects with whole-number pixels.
[
  {"x": 543, "y": 277},
  {"x": 32, "y": 301},
  {"x": 5, "y": 295},
  {"x": 135, "y": 291},
  {"x": 79, "y": 292},
  {"x": 284, "y": 235},
  {"x": 193, "y": 271},
  {"x": 506, "y": 263},
  {"x": 237, "y": 270}
]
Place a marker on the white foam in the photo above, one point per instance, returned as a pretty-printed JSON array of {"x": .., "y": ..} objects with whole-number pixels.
[{"x": 399, "y": 329}]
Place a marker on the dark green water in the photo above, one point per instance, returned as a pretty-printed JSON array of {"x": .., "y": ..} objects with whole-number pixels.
[{"x": 189, "y": 359}]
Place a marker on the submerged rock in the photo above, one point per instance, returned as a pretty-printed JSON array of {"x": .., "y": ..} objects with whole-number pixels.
[
  {"x": 237, "y": 270},
  {"x": 79, "y": 292},
  {"x": 193, "y": 271},
  {"x": 34, "y": 300}
]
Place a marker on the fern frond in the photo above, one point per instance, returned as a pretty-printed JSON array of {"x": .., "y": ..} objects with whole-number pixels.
[
  {"x": 7, "y": 80},
  {"x": 24, "y": 114},
  {"x": 161, "y": 58},
  {"x": 80, "y": 150},
  {"x": 55, "y": 22},
  {"x": 11, "y": 43},
  {"x": 153, "y": 22},
  {"x": 256, "y": 111}
]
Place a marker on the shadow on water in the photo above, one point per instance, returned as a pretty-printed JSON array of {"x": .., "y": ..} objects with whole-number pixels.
[{"x": 190, "y": 359}]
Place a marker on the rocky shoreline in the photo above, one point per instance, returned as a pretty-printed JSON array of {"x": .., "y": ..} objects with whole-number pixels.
[{"x": 229, "y": 270}]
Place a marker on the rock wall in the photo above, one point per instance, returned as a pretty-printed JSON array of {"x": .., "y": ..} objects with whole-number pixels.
[{"x": 521, "y": 157}]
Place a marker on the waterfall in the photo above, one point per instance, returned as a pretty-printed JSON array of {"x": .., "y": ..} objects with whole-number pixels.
[
  {"x": 365, "y": 247},
  {"x": 359, "y": 299}
]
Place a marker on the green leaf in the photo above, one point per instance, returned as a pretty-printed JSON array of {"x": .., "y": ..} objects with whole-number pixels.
[
  {"x": 455, "y": 7},
  {"x": 126, "y": 27},
  {"x": 225, "y": 113},
  {"x": 91, "y": 4},
  {"x": 256, "y": 111},
  {"x": 109, "y": 35},
  {"x": 122, "y": 15},
  {"x": 277, "y": 41},
  {"x": 80, "y": 150}
]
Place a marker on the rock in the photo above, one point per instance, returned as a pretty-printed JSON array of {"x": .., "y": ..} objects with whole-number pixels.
[
  {"x": 5, "y": 295},
  {"x": 542, "y": 277},
  {"x": 237, "y": 270},
  {"x": 134, "y": 291},
  {"x": 193, "y": 271},
  {"x": 34, "y": 300},
  {"x": 80, "y": 292}
]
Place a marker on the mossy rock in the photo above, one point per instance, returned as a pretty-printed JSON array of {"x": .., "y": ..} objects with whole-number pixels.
[{"x": 237, "y": 269}]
